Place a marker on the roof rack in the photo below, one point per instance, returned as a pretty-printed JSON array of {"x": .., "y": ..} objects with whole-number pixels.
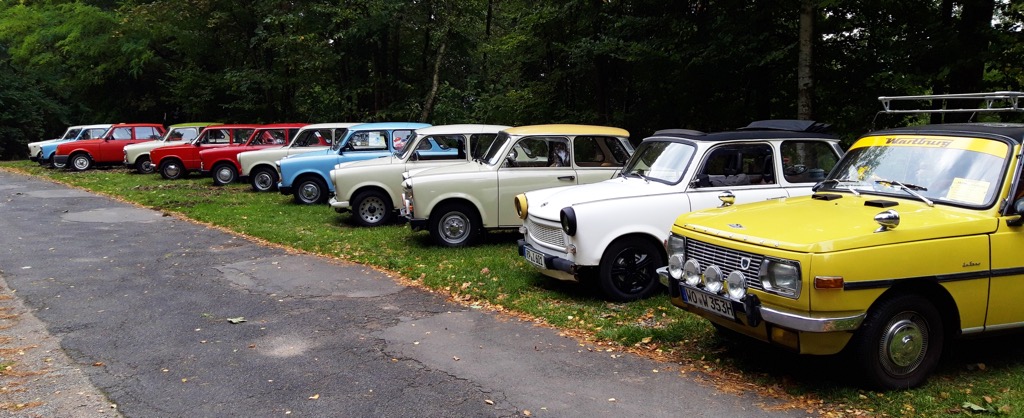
[{"x": 1009, "y": 101}]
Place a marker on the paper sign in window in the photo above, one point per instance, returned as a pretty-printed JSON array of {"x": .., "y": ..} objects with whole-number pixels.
[{"x": 966, "y": 190}]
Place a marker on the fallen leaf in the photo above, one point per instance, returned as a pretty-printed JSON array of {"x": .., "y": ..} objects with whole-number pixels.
[
  {"x": 988, "y": 399},
  {"x": 237, "y": 320},
  {"x": 973, "y": 407},
  {"x": 1005, "y": 409},
  {"x": 98, "y": 364},
  {"x": 488, "y": 401},
  {"x": 526, "y": 412},
  {"x": 455, "y": 358},
  {"x": 646, "y": 340},
  {"x": 315, "y": 397},
  {"x": 611, "y": 399}
]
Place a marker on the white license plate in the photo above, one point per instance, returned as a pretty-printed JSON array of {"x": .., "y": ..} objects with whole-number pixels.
[
  {"x": 709, "y": 302},
  {"x": 534, "y": 257}
]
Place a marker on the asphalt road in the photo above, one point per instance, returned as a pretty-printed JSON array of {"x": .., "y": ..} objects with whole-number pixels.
[{"x": 140, "y": 302}]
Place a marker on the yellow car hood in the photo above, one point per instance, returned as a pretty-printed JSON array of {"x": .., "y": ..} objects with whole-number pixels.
[{"x": 814, "y": 225}]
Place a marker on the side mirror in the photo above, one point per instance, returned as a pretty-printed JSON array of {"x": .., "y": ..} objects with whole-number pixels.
[{"x": 1018, "y": 209}]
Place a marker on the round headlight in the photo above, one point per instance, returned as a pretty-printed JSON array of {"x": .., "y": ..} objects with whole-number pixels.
[
  {"x": 736, "y": 285},
  {"x": 521, "y": 205},
  {"x": 691, "y": 272},
  {"x": 713, "y": 279},
  {"x": 675, "y": 266},
  {"x": 568, "y": 218}
]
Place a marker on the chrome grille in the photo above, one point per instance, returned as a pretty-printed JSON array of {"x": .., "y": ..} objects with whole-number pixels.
[
  {"x": 726, "y": 259},
  {"x": 545, "y": 234}
]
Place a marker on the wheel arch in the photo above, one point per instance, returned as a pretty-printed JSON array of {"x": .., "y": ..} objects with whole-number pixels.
[
  {"x": 639, "y": 236},
  {"x": 435, "y": 210},
  {"x": 934, "y": 293}
]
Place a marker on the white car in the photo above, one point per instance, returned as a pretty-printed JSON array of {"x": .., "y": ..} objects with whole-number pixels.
[
  {"x": 457, "y": 202},
  {"x": 372, "y": 189},
  {"x": 42, "y": 151},
  {"x": 613, "y": 231},
  {"x": 259, "y": 167},
  {"x": 136, "y": 156},
  {"x": 34, "y": 147}
]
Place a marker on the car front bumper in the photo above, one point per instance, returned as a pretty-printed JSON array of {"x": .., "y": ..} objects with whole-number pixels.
[
  {"x": 60, "y": 159},
  {"x": 339, "y": 205},
  {"x": 553, "y": 266}
]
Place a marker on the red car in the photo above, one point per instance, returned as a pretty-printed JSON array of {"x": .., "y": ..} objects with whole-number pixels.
[
  {"x": 176, "y": 161},
  {"x": 107, "y": 149},
  {"x": 223, "y": 162}
]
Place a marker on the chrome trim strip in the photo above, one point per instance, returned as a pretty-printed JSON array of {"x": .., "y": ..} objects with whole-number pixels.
[
  {"x": 1001, "y": 327},
  {"x": 973, "y": 330}
]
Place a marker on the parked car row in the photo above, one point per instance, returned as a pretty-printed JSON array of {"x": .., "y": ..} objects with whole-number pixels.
[{"x": 769, "y": 231}]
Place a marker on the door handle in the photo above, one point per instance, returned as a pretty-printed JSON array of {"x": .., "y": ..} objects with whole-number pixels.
[{"x": 567, "y": 178}]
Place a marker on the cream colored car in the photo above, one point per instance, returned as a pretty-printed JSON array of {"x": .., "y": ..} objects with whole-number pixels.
[
  {"x": 258, "y": 167},
  {"x": 136, "y": 156},
  {"x": 457, "y": 202},
  {"x": 372, "y": 189}
]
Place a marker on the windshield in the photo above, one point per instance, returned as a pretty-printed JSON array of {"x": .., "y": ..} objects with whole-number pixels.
[
  {"x": 418, "y": 142},
  {"x": 71, "y": 133},
  {"x": 493, "y": 157},
  {"x": 662, "y": 161},
  {"x": 961, "y": 171},
  {"x": 181, "y": 134}
]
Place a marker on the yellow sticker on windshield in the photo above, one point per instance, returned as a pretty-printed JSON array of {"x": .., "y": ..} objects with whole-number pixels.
[
  {"x": 987, "y": 146},
  {"x": 967, "y": 190}
]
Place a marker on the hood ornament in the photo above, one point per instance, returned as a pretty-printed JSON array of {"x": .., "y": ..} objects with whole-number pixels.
[{"x": 887, "y": 220}]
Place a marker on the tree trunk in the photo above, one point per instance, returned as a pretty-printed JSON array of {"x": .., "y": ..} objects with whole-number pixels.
[
  {"x": 428, "y": 105},
  {"x": 804, "y": 75}
]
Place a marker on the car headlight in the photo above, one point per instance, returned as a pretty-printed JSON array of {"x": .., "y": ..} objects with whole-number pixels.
[
  {"x": 676, "y": 245},
  {"x": 568, "y": 218},
  {"x": 780, "y": 277},
  {"x": 521, "y": 206},
  {"x": 691, "y": 272},
  {"x": 675, "y": 266},
  {"x": 736, "y": 285},
  {"x": 713, "y": 279}
]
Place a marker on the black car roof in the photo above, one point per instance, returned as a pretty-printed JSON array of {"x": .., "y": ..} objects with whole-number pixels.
[
  {"x": 764, "y": 129},
  {"x": 1011, "y": 131}
]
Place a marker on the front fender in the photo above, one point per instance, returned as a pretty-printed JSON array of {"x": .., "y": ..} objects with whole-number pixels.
[{"x": 601, "y": 223}]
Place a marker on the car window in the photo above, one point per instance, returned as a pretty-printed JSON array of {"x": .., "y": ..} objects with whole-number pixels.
[
  {"x": 122, "y": 134},
  {"x": 147, "y": 132},
  {"x": 368, "y": 141},
  {"x": 807, "y": 161},
  {"x": 661, "y": 161},
  {"x": 242, "y": 135},
  {"x": 312, "y": 138},
  {"x": 540, "y": 151},
  {"x": 737, "y": 165},
  {"x": 479, "y": 143},
  {"x": 400, "y": 137},
  {"x": 599, "y": 151},
  {"x": 215, "y": 136}
]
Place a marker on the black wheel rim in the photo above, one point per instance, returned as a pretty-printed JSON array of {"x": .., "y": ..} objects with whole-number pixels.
[{"x": 632, "y": 270}]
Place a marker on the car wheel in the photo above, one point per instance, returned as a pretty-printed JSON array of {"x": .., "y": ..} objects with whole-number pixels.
[
  {"x": 224, "y": 174},
  {"x": 628, "y": 269},
  {"x": 80, "y": 162},
  {"x": 900, "y": 342},
  {"x": 310, "y": 190},
  {"x": 54, "y": 164},
  {"x": 143, "y": 165},
  {"x": 40, "y": 160},
  {"x": 172, "y": 169},
  {"x": 263, "y": 179},
  {"x": 372, "y": 208},
  {"x": 455, "y": 225}
]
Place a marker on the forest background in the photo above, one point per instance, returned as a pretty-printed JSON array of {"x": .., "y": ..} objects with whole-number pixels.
[{"x": 642, "y": 65}]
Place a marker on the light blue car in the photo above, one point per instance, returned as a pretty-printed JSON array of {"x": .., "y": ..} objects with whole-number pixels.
[
  {"x": 308, "y": 175},
  {"x": 48, "y": 148}
]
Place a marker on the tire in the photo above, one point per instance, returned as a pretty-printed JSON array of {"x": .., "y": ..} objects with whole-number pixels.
[
  {"x": 80, "y": 162},
  {"x": 372, "y": 208},
  {"x": 628, "y": 269},
  {"x": 455, "y": 225},
  {"x": 40, "y": 160},
  {"x": 310, "y": 190},
  {"x": 224, "y": 173},
  {"x": 263, "y": 179},
  {"x": 53, "y": 163},
  {"x": 172, "y": 169},
  {"x": 143, "y": 165},
  {"x": 900, "y": 342}
]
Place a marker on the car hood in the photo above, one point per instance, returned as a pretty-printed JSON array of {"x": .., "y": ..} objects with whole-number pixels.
[
  {"x": 370, "y": 163},
  {"x": 327, "y": 151},
  {"x": 547, "y": 203},
  {"x": 814, "y": 225},
  {"x": 466, "y": 167}
]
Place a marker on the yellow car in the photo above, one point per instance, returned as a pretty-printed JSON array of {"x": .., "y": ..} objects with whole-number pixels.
[{"x": 912, "y": 240}]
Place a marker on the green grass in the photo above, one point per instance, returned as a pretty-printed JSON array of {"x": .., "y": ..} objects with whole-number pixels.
[{"x": 982, "y": 377}]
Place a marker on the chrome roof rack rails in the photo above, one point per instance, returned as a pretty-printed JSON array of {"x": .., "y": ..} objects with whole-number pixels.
[{"x": 1008, "y": 101}]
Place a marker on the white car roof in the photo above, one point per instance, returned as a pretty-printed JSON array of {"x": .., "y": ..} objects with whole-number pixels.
[
  {"x": 460, "y": 129},
  {"x": 330, "y": 125},
  {"x": 102, "y": 125}
]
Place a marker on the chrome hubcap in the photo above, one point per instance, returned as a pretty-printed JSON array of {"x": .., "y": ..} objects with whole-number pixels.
[
  {"x": 263, "y": 181},
  {"x": 172, "y": 170},
  {"x": 225, "y": 175},
  {"x": 904, "y": 344},
  {"x": 81, "y": 163},
  {"x": 310, "y": 192},
  {"x": 454, "y": 227}
]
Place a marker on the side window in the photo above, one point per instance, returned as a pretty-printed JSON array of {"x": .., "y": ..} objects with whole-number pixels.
[
  {"x": 479, "y": 143},
  {"x": 599, "y": 151},
  {"x": 312, "y": 138},
  {"x": 400, "y": 138},
  {"x": 147, "y": 132},
  {"x": 187, "y": 134},
  {"x": 122, "y": 133},
  {"x": 737, "y": 165},
  {"x": 241, "y": 135},
  {"x": 806, "y": 161},
  {"x": 539, "y": 151},
  {"x": 216, "y": 136},
  {"x": 368, "y": 141},
  {"x": 448, "y": 147}
]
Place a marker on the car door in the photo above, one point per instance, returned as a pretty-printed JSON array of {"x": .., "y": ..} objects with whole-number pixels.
[
  {"x": 597, "y": 158},
  {"x": 533, "y": 162},
  {"x": 112, "y": 148},
  {"x": 747, "y": 170}
]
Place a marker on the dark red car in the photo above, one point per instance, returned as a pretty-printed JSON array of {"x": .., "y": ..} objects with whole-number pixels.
[
  {"x": 176, "y": 161},
  {"x": 223, "y": 162},
  {"x": 108, "y": 149}
]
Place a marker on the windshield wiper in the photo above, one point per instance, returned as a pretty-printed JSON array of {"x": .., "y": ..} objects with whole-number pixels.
[
  {"x": 909, "y": 188},
  {"x": 838, "y": 182}
]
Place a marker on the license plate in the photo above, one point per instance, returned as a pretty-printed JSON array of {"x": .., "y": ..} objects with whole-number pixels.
[
  {"x": 709, "y": 302},
  {"x": 534, "y": 257}
]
